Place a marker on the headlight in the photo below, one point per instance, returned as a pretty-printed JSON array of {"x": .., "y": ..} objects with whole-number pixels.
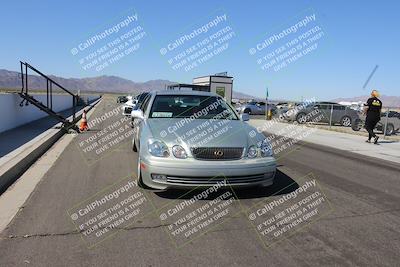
[
  {"x": 252, "y": 152},
  {"x": 266, "y": 149},
  {"x": 158, "y": 148},
  {"x": 179, "y": 152}
]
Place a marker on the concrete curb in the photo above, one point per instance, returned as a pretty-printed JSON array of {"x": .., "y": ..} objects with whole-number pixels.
[
  {"x": 386, "y": 150},
  {"x": 14, "y": 164}
]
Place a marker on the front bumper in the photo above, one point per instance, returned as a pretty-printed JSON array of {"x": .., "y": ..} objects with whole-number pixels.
[{"x": 190, "y": 173}]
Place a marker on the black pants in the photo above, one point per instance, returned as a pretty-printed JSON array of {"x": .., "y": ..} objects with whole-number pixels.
[{"x": 370, "y": 124}]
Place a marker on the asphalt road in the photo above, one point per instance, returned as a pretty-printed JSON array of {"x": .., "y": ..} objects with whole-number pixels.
[{"x": 361, "y": 228}]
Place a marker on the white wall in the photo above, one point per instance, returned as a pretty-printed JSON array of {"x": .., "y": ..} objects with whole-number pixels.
[
  {"x": 12, "y": 115},
  {"x": 225, "y": 82}
]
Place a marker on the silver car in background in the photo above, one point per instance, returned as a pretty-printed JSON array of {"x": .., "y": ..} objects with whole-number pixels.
[
  {"x": 255, "y": 108},
  {"x": 195, "y": 139},
  {"x": 326, "y": 111},
  {"x": 389, "y": 124}
]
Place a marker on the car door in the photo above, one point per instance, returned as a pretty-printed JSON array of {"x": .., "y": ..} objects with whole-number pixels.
[
  {"x": 339, "y": 111},
  {"x": 324, "y": 111},
  {"x": 260, "y": 108}
]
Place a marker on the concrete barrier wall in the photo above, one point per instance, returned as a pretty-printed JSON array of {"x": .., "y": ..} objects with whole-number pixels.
[
  {"x": 17, "y": 162},
  {"x": 12, "y": 115}
]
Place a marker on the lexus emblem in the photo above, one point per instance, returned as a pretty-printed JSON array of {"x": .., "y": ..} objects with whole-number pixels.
[{"x": 218, "y": 153}]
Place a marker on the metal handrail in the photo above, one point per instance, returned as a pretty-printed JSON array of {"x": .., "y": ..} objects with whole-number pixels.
[{"x": 49, "y": 89}]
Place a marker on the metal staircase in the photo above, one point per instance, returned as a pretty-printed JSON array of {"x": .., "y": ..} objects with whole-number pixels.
[{"x": 48, "y": 107}]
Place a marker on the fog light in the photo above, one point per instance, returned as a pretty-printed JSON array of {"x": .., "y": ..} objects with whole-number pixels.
[{"x": 159, "y": 177}]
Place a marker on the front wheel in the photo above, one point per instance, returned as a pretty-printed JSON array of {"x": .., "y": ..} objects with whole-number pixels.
[
  {"x": 356, "y": 125},
  {"x": 389, "y": 129},
  {"x": 301, "y": 118},
  {"x": 134, "y": 147},
  {"x": 345, "y": 121}
]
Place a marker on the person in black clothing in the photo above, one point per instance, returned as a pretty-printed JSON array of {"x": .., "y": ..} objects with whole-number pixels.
[{"x": 373, "y": 111}]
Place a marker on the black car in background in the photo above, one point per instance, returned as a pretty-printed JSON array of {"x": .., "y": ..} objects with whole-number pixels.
[{"x": 122, "y": 99}]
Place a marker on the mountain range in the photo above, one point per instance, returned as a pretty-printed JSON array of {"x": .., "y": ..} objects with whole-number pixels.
[
  {"x": 388, "y": 101},
  {"x": 100, "y": 84},
  {"x": 115, "y": 84}
]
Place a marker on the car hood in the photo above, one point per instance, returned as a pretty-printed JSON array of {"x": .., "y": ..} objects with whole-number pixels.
[{"x": 201, "y": 132}]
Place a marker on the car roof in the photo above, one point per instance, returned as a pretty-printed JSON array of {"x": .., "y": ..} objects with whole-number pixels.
[
  {"x": 183, "y": 92},
  {"x": 327, "y": 103}
]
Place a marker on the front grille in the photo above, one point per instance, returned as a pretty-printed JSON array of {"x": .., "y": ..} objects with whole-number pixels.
[
  {"x": 213, "y": 180},
  {"x": 217, "y": 153}
]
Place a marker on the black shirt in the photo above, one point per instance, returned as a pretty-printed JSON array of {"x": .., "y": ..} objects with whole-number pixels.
[{"x": 374, "y": 108}]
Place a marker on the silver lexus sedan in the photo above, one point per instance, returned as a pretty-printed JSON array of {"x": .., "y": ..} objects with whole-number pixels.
[{"x": 195, "y": 139}]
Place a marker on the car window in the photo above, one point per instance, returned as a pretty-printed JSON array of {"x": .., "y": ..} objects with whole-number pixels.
[
  {"x": 322, "y": 106},
  {"x": 191, "y": 106},
  {"x": 339, "y": 107},
  {"x": 142, "y": 97},
  {"x": 145, "y": 103},
  {"x": 314, "y": 106}
]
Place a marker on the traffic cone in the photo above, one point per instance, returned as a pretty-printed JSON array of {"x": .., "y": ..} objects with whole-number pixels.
[{"x": 83, "y": 125}]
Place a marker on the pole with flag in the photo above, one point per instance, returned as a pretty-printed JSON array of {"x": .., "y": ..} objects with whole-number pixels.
[{"x": 266, "y": 103}]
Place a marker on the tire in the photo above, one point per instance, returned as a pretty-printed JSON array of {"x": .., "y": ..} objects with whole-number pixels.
[
  {"x": 389, "y": 129},
  {"x": 134, "y": 147},
  {"x": 345, "y": 121},
  {"x": 247, "y": 110},
  {"x": 301, "y": 118},
  {"x": 356, "y": 125}
]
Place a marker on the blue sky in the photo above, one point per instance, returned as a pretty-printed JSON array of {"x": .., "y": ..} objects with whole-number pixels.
[{"x": 358, "y": 35}]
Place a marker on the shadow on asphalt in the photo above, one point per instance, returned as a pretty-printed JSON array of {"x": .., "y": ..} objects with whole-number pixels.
[
  {"x": 283, "y": 184},
  {"x": 387, "y": 141}
]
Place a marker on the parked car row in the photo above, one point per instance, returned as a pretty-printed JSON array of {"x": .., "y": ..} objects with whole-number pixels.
[
  {"x": 335, "y": 113},
  {"x": 389, "y": 123},
  {"x": 122, "y": 99},
  {"x": 130, "y": 103},
  {"x": 331, "y": 113},
  {"x": 167, "y": 158}
]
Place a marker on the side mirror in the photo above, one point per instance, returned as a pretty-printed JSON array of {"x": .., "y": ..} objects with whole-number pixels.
[
  {"x": 137, "y": 114},
  {"x": 244, "y": 117}
]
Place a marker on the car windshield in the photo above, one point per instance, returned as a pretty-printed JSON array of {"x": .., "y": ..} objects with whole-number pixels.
[{"x": 191, "y": 106}]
